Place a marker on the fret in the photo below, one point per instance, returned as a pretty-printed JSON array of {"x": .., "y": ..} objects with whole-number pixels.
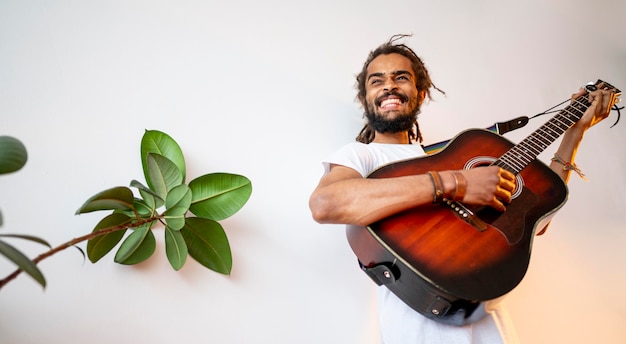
[{"x": 521, "y": 155}]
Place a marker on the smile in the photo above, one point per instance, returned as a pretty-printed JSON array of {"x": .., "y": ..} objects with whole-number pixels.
[{"x": 390, "y": 103}]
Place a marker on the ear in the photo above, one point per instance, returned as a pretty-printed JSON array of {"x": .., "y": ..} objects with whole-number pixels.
[{"x": 422, "y": 96}]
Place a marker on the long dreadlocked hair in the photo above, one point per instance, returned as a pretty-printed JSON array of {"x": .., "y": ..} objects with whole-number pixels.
[{"x": 423, "y": 82}]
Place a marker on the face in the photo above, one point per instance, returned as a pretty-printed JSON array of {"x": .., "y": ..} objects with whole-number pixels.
[{"x": 391, "y": 99}]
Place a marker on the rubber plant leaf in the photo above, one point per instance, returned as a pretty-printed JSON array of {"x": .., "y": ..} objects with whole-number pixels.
[
  {"x": 117, "y": 198},
  {"x": 137, "y": 247},
  {"x": 99, "y": 246},
  {"x": 157, "y": 142},
  {"x": 163, "y": 173},
  {"x": 142, "y": 208},
  {"x": 217, "y": 196},
  {"x": 150, "y": 197},
  {"x": 175, "y": 248},
  {"x": 207, "y": 243},
  {"x": 13, "y": 154},
  {"x": 177, "y": 205},
  {"x": 22, "y": 262},
  {"x": 27, "y": 237}
]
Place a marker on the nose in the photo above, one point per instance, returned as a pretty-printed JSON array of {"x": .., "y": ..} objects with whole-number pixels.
[{"x": 390, "y": 85}]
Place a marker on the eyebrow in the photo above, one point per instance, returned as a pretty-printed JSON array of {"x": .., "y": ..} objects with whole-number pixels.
[{"x": 396, "y": 73}]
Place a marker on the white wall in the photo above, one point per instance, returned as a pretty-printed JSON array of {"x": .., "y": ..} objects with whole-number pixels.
[{"x": 265, "y": 89}]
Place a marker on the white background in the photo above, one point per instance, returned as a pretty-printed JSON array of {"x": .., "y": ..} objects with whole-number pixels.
[{"x": 265, "y": 89}]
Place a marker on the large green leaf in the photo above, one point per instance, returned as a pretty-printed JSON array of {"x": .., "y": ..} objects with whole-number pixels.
[
  {"x": 13, "y": 154},
  {"x": 117, "y": 198},
  {"x": 163, "y": 173},
  {"x": 22, "y": 262},
  {"x": 177, "y": 204},
  {"x": 157, "y": 142},
  {"x": 208, "y": 244},
  {"x": 218, "y": 196},
  {"x": 139, "y": 246},
  {"x": 99, "y": 246},
  {"x": 175, "y": 248}
]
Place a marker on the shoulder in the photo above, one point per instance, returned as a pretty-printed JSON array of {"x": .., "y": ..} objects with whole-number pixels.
[
  {"x": 364, "y": 158},
  {"x": 354, "y": 155}
]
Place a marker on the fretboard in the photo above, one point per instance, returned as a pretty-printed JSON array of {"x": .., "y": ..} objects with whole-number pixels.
[{"x": 525, "y": 152}]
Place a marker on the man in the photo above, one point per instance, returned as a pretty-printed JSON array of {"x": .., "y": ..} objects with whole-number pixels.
[{"x": 392, "y": 86}]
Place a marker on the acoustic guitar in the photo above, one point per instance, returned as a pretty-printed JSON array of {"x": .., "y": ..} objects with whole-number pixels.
[{"x": 445, "y": 260}]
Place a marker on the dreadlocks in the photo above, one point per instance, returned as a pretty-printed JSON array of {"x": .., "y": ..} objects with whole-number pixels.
[{"x": 422, "y": 82}]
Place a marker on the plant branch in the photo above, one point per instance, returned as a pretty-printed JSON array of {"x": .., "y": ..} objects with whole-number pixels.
[{"x": 77, "y": 240}]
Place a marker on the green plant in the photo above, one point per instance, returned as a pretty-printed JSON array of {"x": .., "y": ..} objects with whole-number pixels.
[
  {"x": 165, "y": 200},
  {"x": 13, "y": 157}
]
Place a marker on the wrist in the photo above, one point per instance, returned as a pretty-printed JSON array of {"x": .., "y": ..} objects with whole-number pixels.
[
  {"x": 448, "y": 185},
  {"x": 574, "y": 134}
]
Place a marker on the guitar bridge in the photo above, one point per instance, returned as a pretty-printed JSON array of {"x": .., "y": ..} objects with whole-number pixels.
[{"x": 465, "y": 214}]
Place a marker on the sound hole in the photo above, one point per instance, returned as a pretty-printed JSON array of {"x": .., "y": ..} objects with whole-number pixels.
[{"x": 483, "y": 161}]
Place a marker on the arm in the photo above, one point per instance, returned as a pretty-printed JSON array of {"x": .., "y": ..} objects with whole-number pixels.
[
  {"x": 601, "y": 103},
  {"x": 344, "y": 196}
]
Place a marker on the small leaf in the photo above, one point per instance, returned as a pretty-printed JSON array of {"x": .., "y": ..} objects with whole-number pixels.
[
  {"x": 13, "y": 154},
  {"x": 218, "y": 196},
  {"x": 207, "y": 243},
  {"x": 117, "y": 198},
  {"x": 150, "y": 197},
  {"x": 142, "y": 208},
  {"x": 177, "y": 204},
  {"x": 160, "y": 143},
  {"x": 139, "y": 246},
  {"x": 175, "y": 248},
  {"x": 99, "y": 246},
  {"x": 163, "y": 173},
  {"x": 22, "y": 262}
]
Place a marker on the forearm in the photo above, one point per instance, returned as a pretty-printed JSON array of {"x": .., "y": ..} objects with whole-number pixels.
[
  {"x": 363, "y": 201},
  {"x": 567, "y": 152}
]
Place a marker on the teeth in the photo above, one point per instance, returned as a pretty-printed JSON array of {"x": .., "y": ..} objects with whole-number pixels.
[{"x": 389, "y": 102}]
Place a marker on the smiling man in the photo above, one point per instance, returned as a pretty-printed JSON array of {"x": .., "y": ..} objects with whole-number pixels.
[
  {"x": 391, "y": 101},
  {"x": 392, "y": 86}
]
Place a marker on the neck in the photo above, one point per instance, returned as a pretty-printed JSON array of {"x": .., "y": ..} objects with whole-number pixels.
[{"x": 392, "y": 138}]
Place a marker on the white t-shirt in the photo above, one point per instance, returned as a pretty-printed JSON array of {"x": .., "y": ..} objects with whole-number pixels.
[{"x": 400, "y": 324}]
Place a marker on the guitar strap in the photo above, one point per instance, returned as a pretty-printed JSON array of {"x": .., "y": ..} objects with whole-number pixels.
[
  {"x": 501, "y": 128},
  {"x": 498, "y": 128}
]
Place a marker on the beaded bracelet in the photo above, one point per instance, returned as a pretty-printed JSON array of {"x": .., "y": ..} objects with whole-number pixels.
[{"x": 568, "y": 166}]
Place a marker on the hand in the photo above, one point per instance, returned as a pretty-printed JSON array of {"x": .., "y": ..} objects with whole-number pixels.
[
  {"x": 601, "y": 102},
  {"x": 492, "y": 186}
]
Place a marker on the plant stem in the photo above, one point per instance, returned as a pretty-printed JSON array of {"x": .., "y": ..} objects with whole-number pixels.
[{"x": 77, "y": 240}]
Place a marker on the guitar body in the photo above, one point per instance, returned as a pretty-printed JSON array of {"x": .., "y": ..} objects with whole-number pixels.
[{"x": 445, "y": 259}]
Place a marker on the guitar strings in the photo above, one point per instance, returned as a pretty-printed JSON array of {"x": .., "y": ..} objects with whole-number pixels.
[{"x": 552, "y": 110}]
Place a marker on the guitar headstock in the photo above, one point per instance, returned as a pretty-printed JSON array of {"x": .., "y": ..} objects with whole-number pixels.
[{"x": 605, "y": 86}]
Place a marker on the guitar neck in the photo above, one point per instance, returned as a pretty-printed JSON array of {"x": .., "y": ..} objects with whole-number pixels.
[{"x": 522, "y": 154}]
